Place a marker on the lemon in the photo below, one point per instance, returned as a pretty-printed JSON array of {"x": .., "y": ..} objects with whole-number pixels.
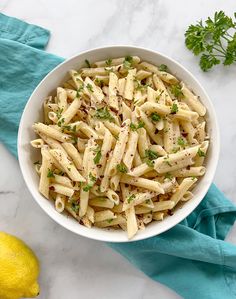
[{"x": 19, "y": 269}]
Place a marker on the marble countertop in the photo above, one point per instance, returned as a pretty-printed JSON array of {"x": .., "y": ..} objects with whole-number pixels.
[{"x": 72, "y": 266}]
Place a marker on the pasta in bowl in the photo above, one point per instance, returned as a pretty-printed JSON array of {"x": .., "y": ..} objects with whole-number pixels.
[{"x": 122, "y": 145}]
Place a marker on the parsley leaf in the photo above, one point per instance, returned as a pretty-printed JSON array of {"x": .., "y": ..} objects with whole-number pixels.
[
  {"x": 149, "y": 157},
  {"x": 130, "y": 198},
  {"x": 176, "y": 90},
  {"x": 174, "y": 109},
  {"x": 127, "y": 63},
  {"x": 163, "y": 68},
  {"x": 201, "y": 153},
  {"x": 214, "y": 40},
  {"x": 98, "y": 156},
  {"x": 50, "y": 173},
  {"x": 134, "y": 127},
  {"x": 108, "y": 62},
  {"x": 152, "y": 155},
  {"x": 103, "y": 113},
  {"x": 87, "y": 63},
  {"x": 122, "y": 168},
  {"x": 92, "y": 181},
  {"x": 181, "y": 141},
  {"x": 90, "y": 87},
  {"x": 155, "y": 116},
  {"x": 75, "y": 206}
]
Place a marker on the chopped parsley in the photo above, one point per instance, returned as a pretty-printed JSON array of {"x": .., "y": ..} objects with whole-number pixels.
[
  {"x": 50, "y": 173},
  {"x": 167, "y": 161},
  {"x": 90, "y": 87},
  {"x": 98, "y": 155},
  {"x": 201, "y": 153},
  {"x": 122, "y": 168},
  {"x": 181, "y": 141},
  {"x": 109, "y": 220},
  {"x": 108, "y": 62},
  {"x": 140, "y": 86},
  {"x": 75, "y": 206},
  {"x": 134, "y": 127},
  {"x": 74, "y": 139},
  {"x": 163, "y": 68},
  {"x": 129, "y": 199},
  {"x": 92, "y": 180},
  {"x": 59, "y": 112},
  {"x": 149, "y": 157},
  {"x": 175, "y": 149},
  {"x": 127, "y": 63},
  {"x": 168, "y": 176},
  {"x": 103, "y": 113},
  {"x": 87, "y": 63},
  {"x": 194, "y": 177},
  {"x": 79, "y": 90},
  {"x": 174, "y": 109},
  {"x": 176, "y": 90},
  {"x": 155, "y": 116},
  {"x": 60, "y": 122}
]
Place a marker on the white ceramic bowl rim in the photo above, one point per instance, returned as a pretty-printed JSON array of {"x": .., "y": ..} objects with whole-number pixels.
[{"x": 26, "y": 163}]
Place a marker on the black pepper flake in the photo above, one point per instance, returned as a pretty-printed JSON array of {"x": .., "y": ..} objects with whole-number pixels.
[
  {"x": 156, "y": 131},
  {"x": 52, "y": 188},
  {"x": 99, "y": 165},
  {"x": 184, "y": 134},
  {"x": 169, "y": 212}
]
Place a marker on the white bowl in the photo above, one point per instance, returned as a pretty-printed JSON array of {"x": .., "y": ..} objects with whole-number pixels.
[{"x": 33, "y": 113}]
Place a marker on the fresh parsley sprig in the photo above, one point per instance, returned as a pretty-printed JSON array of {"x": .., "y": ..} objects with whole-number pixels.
[{"x": 214, "y": 39}]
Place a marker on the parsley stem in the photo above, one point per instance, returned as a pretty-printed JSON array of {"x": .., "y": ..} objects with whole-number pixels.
[{"x": 223, "y": 52}]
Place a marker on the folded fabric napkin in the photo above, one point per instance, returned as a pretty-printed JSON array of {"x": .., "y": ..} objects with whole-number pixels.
[{"x": 191, "y": 258}]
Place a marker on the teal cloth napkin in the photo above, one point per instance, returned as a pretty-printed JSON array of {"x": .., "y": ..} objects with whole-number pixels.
[{"x": 190, "y": 258}]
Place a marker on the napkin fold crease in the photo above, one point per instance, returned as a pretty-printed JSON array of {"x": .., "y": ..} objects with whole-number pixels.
[{"x": 192, "y": 258}]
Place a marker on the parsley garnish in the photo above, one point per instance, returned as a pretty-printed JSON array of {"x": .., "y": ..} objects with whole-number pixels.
[
  {"x": 122, "y": 168},
  {"x": 149, "y": 157},
  {"x": 155, "y": 116},
  {"x": 103, "y": 113},
  {"x": 109, "y": 220},
  {"x": 129, "y": 199},
  {"x": 181, "y": 141},
  {"x": 127, "y": 63},
  {"x": 59, "y": 112},
  {"x": 75, "y": 206},
  {"x": 108, "y": 62},
  {"x": 201, "y": 153},
  {"x": 50, "y": 173},
  {"x": 163, "y": 68},
  {"x": 134, "y": 127},
  {"x": 176, "y": 90},
  {"x": 167, "y": 161},
  {"x": 215, "y": 40},
  {"x": 92, "y": 180},
  {"x": 140, "y": 86},
  {"x": 168, "y": 176},
  {"x": 87, "y": 63},
  {"x": 175, "y": 149},
  {"x": 90, "y": 87},
  {"x": 60, "y": 122},
  {"x": 98, "y": 156},
  {"x": 79, "y": 90},
  {"x": 174, "y": 109}
]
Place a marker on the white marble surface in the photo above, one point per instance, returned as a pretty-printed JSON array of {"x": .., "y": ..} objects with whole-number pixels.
[{"x": 75, "y": 267}]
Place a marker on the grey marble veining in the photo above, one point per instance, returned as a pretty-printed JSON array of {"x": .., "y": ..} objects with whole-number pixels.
[{"x": 71, "y": 266}]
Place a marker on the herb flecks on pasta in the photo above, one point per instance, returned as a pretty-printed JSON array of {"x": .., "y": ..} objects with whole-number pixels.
[{"x": 123, "y": 143}]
